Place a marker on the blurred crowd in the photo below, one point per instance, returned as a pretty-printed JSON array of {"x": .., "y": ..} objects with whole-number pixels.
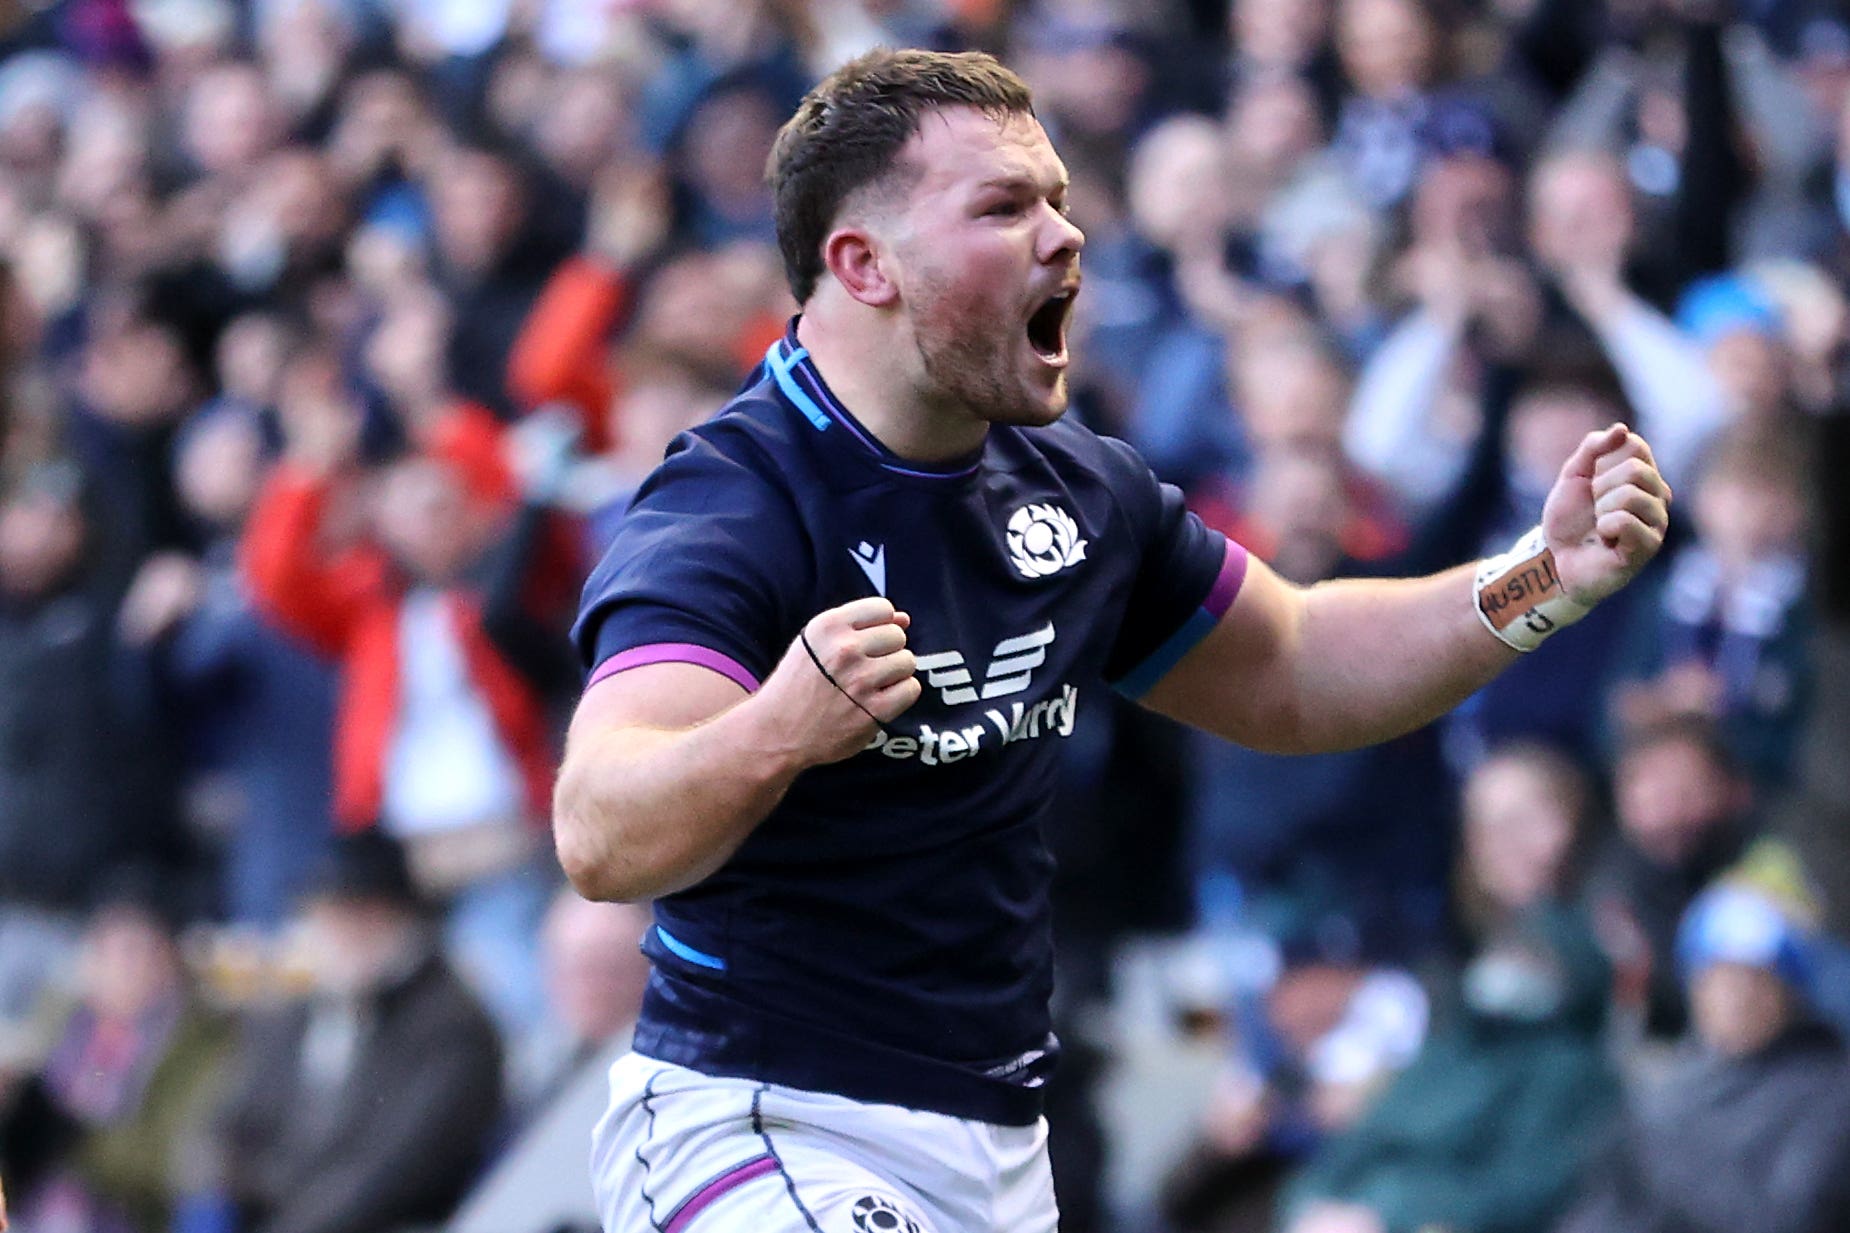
[{"x": 334, "y": 335}]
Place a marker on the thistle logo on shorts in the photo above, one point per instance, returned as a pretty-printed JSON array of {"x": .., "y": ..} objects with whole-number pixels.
[
  {"x": 875, "y": 1214},
  {"x": 1043, "y": 539}
]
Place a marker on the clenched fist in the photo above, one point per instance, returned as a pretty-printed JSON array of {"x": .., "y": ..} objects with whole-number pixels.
[
  {"x": 861, "y": 675},
  {"x": 1607, "y": 513}
]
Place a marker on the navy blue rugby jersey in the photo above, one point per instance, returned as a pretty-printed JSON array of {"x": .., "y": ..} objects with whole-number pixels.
[{"x": 884, "y": 933}]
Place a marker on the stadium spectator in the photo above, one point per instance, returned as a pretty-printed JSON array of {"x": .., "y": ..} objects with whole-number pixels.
[
  {"x": 66, "y": 711},
  {"x": 1749, "y": 1128},
  {"x": 100, "y": 1131},
  {"x": 257, "y": 708},
  {"x": 1725, "y": 635},
  {"x": 1528, "y": 810},
  {"x": 370, "y": 1105},
  {"x": 1356, "y": 835},
  {"x": 438, "y": 739},
  {"x": 1312, "y": 1052},
  {"x": 1684, "y": 811},
  {"x": 595, "y": 975},
  {"x": 1489, "y": 1127}
]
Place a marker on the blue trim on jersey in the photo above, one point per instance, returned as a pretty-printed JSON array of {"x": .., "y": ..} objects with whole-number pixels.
[
  {"x": 688, "y": 953},
  {"x": 1143, "y": 678},
  {"x": 790, "y": 366},
  {"x": 780, "y": 363}
]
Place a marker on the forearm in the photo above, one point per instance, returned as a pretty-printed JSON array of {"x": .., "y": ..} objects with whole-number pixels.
[
  {"x": 639, "y": 812},
  {"x": 1377, "y": 658}
]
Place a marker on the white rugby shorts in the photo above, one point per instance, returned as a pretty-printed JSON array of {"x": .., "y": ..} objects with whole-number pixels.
[{"x": 683, "y": 1152}]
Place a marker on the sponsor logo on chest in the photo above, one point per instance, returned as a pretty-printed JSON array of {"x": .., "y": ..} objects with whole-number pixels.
[{"x": 1010, "y": 671}]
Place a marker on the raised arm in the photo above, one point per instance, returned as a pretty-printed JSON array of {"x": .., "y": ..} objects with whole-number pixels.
[
  {"x": 670, "y": 766},
  {"x": 1349, "y": 663}
]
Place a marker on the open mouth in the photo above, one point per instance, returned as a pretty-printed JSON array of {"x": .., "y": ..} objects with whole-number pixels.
[{"x": 1047, "y": 325}]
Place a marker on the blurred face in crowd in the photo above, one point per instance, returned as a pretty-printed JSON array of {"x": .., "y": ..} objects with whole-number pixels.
[
  {"x": 301, "y": 195},
  {"x": 230, "y": 122},
  {"x": 595, "y": 972},
  {"x": 479, "y": 203},
  {"x": 250, "y": 358},
  {"x": 582, "y": 124},
  {"x": 382, "y": 120},
  {"x": 1546, "y": 425},
  {"x": 41, "y": 541},
  {"x": 107, "y": 152},
  {"x": 1673, "y": 799},
  {"x": 1298, "y": 502},
  {"x": 1751, "y": 368},
  {"x": 1737, "y": 1009},
  {"x": 986, "y": 264},
  {"x": 136, "y": 374},
  {"x": 1092, "y": 88},
  {"x": 1291, "y": 392},
  {"x": 698, "y": 305},
  {"x": 425, "y": 519},
  {"x": 407, "y": 353},
  {"x": 1388, "y": 47},
  {"x": 1580, "y": 212},
  {"x": 728, "y": 141},
  {"x": 1521, "y": 818},
  {"x": 1280, "y": 34},
  {"x": 1466, "y": 201},
  {"x": 219, "y": 468},
  {"x": 129, "y": 964},
  {"x": 1274, "y": 126},
  {"x": 1179, "y": 184},
  {"x": 653, "y": 409},
  {"x": 353, "y": 944},
  {"x": 1747, "y": 516}
]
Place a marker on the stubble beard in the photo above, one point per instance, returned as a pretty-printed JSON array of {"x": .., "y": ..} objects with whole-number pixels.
[{"x": 971, "y": 367}]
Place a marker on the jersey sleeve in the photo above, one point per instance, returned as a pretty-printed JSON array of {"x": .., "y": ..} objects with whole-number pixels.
[
  {"x": 1187, "y": 576},
  {"x": 707, "y": 567}
]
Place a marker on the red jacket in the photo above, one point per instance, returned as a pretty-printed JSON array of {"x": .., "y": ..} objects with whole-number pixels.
[{"x": 346, "y": 607}]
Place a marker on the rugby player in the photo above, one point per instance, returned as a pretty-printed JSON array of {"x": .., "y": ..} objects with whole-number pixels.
[{"x": 841, "y": 635}]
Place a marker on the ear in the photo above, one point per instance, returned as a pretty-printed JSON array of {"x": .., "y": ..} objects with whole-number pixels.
[{"x": 859, "y": 263}]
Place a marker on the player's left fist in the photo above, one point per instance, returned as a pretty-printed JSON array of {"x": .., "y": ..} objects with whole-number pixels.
[{"x": 1607, "y": 514}]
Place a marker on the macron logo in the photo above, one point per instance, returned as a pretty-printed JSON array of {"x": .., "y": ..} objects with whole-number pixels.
[
  {"x": 1011, "y": 668},
  {"x": 872, "y": 560}
]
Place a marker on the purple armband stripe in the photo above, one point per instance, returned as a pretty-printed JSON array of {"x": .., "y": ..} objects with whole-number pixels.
[
  {"x": 675, "y": 653},
  {"x": 707, "y": 1195},
  {"x": 1139, "y": 680},
  {"x": 1227, "y": 583}
]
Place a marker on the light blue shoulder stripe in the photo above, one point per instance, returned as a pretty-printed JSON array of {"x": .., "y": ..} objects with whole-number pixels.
[
  {"x": 688, "y": 953},
  {"x": 780, "y": 367}
]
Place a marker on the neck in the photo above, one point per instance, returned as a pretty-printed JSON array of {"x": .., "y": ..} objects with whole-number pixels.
[{"x": 871, "y": 373}]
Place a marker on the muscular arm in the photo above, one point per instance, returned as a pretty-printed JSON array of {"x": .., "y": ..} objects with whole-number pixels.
[
  {"x": 1343, "y": 664},
  {"x": 1333, "y": 666},
  {"x": 669, "y": 767}
]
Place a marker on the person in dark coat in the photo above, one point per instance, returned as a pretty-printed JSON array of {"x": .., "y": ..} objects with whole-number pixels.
[
  {"x": 1488, "y": 1130},
  {"x": 1749, "y": 1130},
  {"x": 369, "y": 1106}
]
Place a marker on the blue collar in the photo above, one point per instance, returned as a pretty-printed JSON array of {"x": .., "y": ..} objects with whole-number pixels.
[{"x": 789, "y": 364}]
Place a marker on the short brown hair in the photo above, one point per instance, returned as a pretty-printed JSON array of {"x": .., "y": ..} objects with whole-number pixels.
[{"x": 848, "y": 131}]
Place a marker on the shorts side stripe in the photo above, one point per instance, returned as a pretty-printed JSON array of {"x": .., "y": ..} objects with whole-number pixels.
[
  {"x": 706, "y": 1195},
  {"x": 771, "y": 1151}
]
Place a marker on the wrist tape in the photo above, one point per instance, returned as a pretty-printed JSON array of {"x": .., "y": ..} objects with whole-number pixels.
[{"x": 1519, "y": 595}]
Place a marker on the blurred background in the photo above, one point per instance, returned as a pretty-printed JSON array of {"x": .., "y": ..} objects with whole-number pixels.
[{"x": 334, "y": 335}]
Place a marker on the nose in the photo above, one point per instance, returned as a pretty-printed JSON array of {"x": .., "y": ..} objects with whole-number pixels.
[{"x": 1061, "y": 238}]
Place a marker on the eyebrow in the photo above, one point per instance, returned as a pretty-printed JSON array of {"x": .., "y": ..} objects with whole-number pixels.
[{"x": 1015, "y": 184}]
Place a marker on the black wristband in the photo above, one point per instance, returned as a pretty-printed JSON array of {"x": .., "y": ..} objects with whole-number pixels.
[{"x": 803, "y": 637}]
